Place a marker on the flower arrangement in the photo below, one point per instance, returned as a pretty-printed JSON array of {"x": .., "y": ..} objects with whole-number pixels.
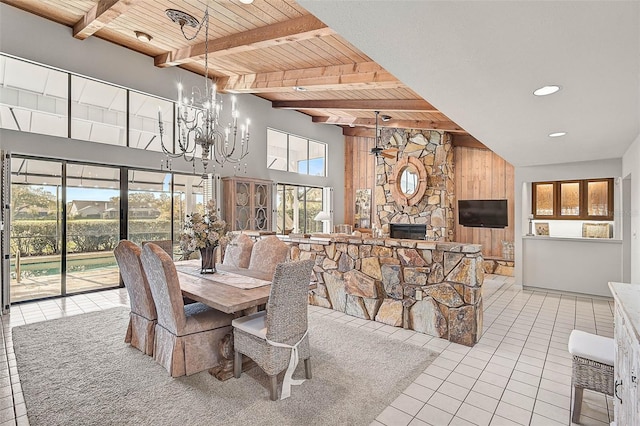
[{"x": 202, "y": 230}]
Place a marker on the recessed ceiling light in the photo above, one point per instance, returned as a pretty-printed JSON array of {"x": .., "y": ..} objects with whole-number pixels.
[
  {"x": 546, "y": 90},
  {"x": 557, "y": 134},
  {"x": 246, "y": 1},
  {"x": 143, "y": 37},
  {"x": 299, "y": 89}
]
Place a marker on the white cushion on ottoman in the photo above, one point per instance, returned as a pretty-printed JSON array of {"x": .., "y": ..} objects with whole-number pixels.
[{"x": 590, "y": 346}]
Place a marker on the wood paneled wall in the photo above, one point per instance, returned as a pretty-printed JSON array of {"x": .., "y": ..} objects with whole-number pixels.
[
  {"x": 359, "y": 172},
  {"x": 481, "y": 174}
]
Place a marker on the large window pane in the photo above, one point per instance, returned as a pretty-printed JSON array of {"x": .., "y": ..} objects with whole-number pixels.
[
  {"x": 188, "y": 196},
  {"x": 144, "y": 114},
  {"x": 313, "y": 207},
  {"x": 276, "y": 150},
  {"x": 93, "y": 227},
  {"x": 98, "y": 111},
  {"x": 317, "y": 155},
  {"x": 36, "y": 229},
  {"x": 33, "y": 98},
  {"x": 298, "y": 155},
  {"x": 149, "y": 201}
]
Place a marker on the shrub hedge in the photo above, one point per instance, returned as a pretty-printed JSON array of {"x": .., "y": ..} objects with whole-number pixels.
[{"x": 42, "y": 237}]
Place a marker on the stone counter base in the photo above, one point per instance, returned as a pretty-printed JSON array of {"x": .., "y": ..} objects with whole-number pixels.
[{"x": 434, "y": 288}]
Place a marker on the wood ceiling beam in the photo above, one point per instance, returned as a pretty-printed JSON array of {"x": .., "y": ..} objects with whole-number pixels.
[
  {"x": 100, "y": 15},
  {"x": 363, "y": 132},
  {"x": 405, "y": 105},
  {"x": 293, "y": 30},
  {"x": 466, "y": 140},
  {"x": 447, "y": 126},
  {"x": 361, "y": 75}
]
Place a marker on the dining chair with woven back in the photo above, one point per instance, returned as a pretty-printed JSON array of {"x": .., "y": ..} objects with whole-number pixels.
[
  {"x": 276, "y": 338},
  {"x": 187, "y": 337},
  {"x": 143, "y": 316}
]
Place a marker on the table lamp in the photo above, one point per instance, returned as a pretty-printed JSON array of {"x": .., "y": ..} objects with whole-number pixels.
[{"x": 323, "y": 217}]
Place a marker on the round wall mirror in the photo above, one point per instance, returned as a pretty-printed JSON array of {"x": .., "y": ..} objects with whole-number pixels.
[{"x": 409, "y": 180}]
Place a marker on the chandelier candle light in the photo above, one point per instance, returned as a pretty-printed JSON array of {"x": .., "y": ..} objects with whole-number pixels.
[{"x": 198, "y": 116}]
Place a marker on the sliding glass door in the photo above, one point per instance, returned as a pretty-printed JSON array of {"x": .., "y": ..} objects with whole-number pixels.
[
  {"x": 36, "y": 229},
  {"x": 189, "y": 194},
  {"x": 149, "y": 206},
  {"x": 67, "y": 219},
  {"x": 93, "y": 227}
]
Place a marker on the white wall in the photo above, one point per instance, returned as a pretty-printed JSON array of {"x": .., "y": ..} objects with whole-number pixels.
[
  {"x": 631, "y": 170},
  {"x": 576, "y": 265},
  {"x": 23, "y": 35},
  {"x": 579, "y": 170}
]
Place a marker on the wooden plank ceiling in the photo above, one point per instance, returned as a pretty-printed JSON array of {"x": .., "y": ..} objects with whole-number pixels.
[{"x": 270, "y": 48}]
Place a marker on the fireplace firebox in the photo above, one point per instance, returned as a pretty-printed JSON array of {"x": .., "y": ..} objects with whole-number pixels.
[{"x": 409, "y": 231}]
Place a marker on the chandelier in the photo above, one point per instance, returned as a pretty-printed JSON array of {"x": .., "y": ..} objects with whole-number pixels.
[{"x": 198, "y": 115}]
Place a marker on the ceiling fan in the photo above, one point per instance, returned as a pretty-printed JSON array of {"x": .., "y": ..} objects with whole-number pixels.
[{"x": 378, "y": 150}]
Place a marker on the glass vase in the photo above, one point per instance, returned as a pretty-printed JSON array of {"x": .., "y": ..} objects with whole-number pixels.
[{"x": 208, "y": 259}]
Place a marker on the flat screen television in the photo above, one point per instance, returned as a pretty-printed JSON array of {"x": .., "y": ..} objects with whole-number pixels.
[{"x": 482, "y": 213}]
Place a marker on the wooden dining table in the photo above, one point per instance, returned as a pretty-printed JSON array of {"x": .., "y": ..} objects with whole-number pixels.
[{"x": 207, "y": 289}]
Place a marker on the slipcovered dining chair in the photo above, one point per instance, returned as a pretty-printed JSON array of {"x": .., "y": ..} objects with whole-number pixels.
[
  {"x": 166, "y": 245},
  {"x": 276, "y": 338},
  {"x": 238, "y": 251},
  {"x": 267, "y": 253},
  {"x": 187, "y": 336},
  {"x": 143, "y": 316}
]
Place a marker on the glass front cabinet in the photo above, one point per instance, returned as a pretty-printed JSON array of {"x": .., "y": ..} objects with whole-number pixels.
[
  {"x": 587, "y": 199},
  {"x": 247, "y": 204}
]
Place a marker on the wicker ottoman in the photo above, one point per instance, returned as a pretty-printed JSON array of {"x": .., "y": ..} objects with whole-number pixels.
[{"x": 592, "y": 366}]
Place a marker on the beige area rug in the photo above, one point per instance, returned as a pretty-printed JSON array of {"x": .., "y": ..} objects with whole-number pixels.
[{"x": 78, "y": 371}]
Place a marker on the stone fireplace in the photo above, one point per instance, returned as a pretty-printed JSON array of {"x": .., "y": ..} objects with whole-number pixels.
[{"x": 435, "y": 210}]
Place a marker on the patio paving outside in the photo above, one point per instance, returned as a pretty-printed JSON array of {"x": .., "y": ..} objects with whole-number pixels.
[{"x": 37, "y": 287}]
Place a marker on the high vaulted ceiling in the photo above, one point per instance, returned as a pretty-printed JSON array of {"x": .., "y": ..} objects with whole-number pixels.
[
  {"x": 479, "y": 62},
  {"x": 268, "y": 48}
]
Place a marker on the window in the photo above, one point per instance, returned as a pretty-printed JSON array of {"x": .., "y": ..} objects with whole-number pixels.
[
  {"x": 98, "y": 111},
  {"x": 574, "y": 199},
  {"x": 144, "y": 114},
  {"x": 297, "y": 207},
  {"x": 296, "y": 154},
  {"x": 33, "y": 98}
]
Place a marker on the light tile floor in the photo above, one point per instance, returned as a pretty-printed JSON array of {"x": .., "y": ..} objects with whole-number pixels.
[{"x": 518, "y": 374}]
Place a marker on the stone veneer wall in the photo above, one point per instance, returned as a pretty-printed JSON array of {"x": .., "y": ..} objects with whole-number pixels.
[
  {"x": 499, "y": 267},
  {"x": 379, "y": 279},
  {"x": 435, "y": 210}
]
